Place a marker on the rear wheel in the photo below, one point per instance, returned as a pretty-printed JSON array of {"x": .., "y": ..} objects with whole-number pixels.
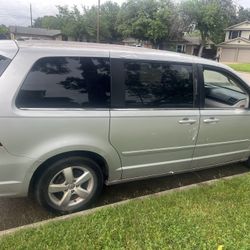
[
  {"x": 248, "y": 163},
  {"x": 69, "y": 185}
]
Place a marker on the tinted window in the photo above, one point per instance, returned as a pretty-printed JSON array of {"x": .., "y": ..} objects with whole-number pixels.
[
  {"x": 222, "y": 91},
  {"x": 158, "y": 85},
  {"x": 66, "y": 82},
  {"x": 4, "y": 62}
]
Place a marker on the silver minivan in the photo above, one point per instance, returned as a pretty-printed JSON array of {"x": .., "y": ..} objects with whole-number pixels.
[{"x": 76, "y": 116}]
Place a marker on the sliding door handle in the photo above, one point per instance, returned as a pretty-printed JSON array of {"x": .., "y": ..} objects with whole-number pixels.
[{"x": 211, "y": 120}]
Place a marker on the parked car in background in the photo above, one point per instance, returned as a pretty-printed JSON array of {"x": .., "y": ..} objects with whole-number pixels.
[{"x": 74, "y": 116}]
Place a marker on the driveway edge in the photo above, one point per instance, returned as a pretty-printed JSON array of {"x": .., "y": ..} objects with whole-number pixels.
[{"x": 93, "y": 210}]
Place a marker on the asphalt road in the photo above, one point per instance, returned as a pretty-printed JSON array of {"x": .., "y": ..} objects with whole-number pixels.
[{"x": 22, "y": 211}]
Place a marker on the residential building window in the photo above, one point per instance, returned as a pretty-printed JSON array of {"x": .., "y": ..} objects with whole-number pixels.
[
  {"x": 181, "y": 48},
  {"x": 234, "y": 34}
]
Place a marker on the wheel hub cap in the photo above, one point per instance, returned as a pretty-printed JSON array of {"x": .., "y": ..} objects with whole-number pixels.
[{"x": 70, "y": 187}]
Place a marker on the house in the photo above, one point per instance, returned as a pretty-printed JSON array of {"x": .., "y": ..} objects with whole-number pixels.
[
  {"x": 26, "y": 33},
  {"x": 186, "y": 44},
  {"x": 236, "y": 47},
  {"x": 136, "y": 43},
  {"x": 190, "y": 45}
]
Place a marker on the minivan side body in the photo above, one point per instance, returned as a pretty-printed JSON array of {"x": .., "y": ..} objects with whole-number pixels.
[{"x": 135, "y": 112}]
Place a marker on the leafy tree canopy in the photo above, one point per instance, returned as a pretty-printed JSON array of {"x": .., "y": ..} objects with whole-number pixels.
[
  {"x": 210, "y": 17},
  {"x": 4, "y": 32},
  {"x": 156, "y": 21}
]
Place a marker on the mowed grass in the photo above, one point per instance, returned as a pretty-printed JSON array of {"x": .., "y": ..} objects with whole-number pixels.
[
  {"x": 200, "y": 218},
  {"x": 243, "y": 67}
]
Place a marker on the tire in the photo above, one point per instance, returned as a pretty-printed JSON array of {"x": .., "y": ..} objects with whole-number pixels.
[
  {"x": 248, "y": 163},
  {"x": 69, "y": 185}
]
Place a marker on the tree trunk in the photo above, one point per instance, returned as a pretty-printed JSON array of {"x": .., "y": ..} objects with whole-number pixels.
[{"x": 201, "y": 50}]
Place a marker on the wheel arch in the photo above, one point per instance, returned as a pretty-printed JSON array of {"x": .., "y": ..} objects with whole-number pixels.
[{"x": 44, "y": 165}]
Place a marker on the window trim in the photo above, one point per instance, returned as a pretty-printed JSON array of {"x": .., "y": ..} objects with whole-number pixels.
[
  {"x": 224, "y": 71},
  {"x": 118, "y": 86},
  {"x": 60, "y": 109}
]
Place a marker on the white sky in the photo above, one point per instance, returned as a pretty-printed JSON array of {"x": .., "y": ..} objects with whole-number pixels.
[{"x": 16, "y": 12}]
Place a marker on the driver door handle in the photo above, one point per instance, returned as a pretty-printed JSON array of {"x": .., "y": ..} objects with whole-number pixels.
[{"x": 211, "y": 120}]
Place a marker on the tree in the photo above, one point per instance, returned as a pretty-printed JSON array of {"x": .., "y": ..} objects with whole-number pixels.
[
  {"x": 108, "y": 22},
  {"x": 108, "y": 19},
  {"x": 243, "y": 15},
  {"x": 148, "y": 20},
  {"x": 4, "y": 32},
  {"x": 83, "y": 25},
  {"x": 210, "y": 17},
  {"x": 47, "y": 22},
  {"x": 71, "y": 22},
  {"x": 167, "y": 24}
]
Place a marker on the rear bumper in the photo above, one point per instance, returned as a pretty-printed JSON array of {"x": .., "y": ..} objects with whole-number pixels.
[{"x": 13, "y": 174}]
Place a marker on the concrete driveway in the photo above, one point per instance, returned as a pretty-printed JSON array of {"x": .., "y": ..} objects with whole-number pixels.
[
  {"x": 22, "y": 211},
  {"x": 245, "y": 76}
]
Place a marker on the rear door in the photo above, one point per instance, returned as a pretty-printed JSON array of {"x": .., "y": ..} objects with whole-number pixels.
[
  {"x": 154, "y": 119},
  {"x": 225, "y": 117}
]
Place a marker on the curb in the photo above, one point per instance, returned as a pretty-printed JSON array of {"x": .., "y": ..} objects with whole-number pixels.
[{"x": 93, "y": 210}]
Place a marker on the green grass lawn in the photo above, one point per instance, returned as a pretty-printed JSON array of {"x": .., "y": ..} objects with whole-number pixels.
[
  {"x": 200, "y": 218},
  {"x": 244, "y": 67}
]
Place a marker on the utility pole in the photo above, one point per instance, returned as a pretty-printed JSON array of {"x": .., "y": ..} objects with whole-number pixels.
[
  {"x": 31, "y": 19},
  {"x": 98, "y": 22}
]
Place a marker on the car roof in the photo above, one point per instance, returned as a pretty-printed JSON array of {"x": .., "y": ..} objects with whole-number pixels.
[
  {"x": 118, "y": 51},
  {"x": 8, "y": 48}
]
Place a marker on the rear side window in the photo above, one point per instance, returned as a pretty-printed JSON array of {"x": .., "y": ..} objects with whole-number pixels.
[
  {"x": 4, "y": 62},
  {"x": 158, "y": 85},
  {"x": 66, "y": 82}
]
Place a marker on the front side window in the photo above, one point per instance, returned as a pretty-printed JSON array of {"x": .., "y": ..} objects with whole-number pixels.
[
  {"x": 66, "y": 82},
  {"x": 4, "y": 62},
  {"x": 158, "y": 85},
  {"x": 223, "y": 91}
]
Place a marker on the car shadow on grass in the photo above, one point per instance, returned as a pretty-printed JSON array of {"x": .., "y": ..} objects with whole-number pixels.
[{"x": 22, "y": 211}]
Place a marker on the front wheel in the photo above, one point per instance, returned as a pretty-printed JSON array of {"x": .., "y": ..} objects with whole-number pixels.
[{"x": 69, "y": 185}]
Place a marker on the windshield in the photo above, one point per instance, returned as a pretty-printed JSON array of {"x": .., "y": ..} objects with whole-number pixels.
[{"x": 4, "y": 62}]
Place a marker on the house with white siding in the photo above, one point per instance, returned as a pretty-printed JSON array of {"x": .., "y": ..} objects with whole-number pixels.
[{"x": 236, "y": 47}]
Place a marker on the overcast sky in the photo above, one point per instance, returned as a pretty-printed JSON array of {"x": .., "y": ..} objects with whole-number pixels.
[{"x": 16, "y": 12}]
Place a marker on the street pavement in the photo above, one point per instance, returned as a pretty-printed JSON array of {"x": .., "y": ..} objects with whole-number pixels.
[{"x": 21, "y": 211}]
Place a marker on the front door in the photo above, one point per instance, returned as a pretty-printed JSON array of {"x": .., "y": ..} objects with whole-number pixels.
[
  {"x": 154, "y": 128},
  {"x": 225, "y": 120}
]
